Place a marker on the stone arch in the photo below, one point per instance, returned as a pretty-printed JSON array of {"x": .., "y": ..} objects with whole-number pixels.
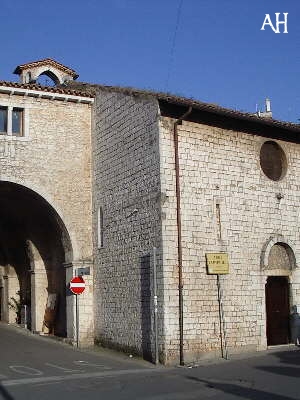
[
  {"x": 51, "y": 75},
  {"x": 283, "y": 248},
  {"x": 61, "y": 217},
  {"x": 37, "y": 245}
]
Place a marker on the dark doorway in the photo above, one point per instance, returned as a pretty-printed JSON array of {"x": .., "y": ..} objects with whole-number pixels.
[
  {"x": 278, "y": 310},
  {"x": 34, "y": 245}
]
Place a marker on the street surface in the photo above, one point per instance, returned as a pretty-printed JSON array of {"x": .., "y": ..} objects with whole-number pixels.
[{"x": 32, "y": 367}]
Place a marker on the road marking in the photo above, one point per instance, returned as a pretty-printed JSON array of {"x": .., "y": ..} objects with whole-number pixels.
[
  {"x": 62, "y": 368},
  {"x": 193, "y": 395},
  {"x": 106, "y": 374},
  {"x": 22, "y": 369},
  {"x": 88, "y": 364}
]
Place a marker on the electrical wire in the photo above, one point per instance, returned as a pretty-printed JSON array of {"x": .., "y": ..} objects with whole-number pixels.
[{"x": 171, "y": 59}]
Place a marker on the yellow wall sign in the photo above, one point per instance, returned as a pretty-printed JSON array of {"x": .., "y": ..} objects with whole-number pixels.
[{"x": 217, "y": 263}]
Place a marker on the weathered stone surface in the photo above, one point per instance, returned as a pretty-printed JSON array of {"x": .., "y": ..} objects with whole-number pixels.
[
  {"x": 219, "y": 166},
  {"x": 53, "y": 159},
  {"x": 127, "y": 188}
]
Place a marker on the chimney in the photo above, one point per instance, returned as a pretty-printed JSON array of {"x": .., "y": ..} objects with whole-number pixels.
[
  {"x": 268, "y": 106},
  {"x": 268, "y": 112}
]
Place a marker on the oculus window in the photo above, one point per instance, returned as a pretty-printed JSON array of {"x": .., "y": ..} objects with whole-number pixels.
[{"x": 273, "y": 161}]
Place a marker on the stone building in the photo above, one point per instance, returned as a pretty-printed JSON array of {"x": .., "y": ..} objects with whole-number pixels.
[
  {"x": 129, "y": 183},
  {"x": 46, "y": 200}
]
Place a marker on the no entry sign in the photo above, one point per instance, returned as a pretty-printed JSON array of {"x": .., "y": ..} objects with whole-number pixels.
[{"x": 77, "y": 285}]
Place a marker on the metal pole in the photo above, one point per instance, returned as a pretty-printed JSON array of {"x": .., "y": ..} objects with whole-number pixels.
[
  {"x": 222, "y": 321},
  {"x": 155, "y": 305},
  {"x": 77, "y": 320},
  {"x": 179, "y": 237}
]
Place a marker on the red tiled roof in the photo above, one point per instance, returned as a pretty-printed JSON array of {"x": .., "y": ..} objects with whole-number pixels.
[
  {"x": 46, "y": 61},
  {"x": 51, "y": 89}
]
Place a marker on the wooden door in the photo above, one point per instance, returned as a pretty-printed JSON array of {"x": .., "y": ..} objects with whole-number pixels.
[{"x": 277, "y": 309}]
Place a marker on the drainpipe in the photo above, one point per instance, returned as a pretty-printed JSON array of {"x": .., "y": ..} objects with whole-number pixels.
[{"x": 179, "y": 244}]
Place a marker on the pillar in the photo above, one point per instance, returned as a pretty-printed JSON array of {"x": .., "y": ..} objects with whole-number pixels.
[{"x": 39, "y": 286}]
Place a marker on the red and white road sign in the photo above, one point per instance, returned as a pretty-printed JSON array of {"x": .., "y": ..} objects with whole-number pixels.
[{"x": 77, "y": 285}]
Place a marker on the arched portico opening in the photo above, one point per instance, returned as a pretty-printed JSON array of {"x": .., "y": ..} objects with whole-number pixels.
[
  {"x": 34, "y": 245},
  {"x": 51, "y": 81}
]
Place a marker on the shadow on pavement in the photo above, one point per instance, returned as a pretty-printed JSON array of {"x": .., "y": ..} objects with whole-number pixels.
[
  {"x": 289, "y": 357},
  {"x": 292, "y": 357},
  {"x": 243, "y": 392},
  {"x": 4, "y": 394},
  {"x": 287, "y": 371}
]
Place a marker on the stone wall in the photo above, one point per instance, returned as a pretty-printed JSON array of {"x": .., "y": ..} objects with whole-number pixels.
[
  {"x": 220, "y": 169},
  {"x": 53, "y": 159},
  {"x": 127, "y": 188}
]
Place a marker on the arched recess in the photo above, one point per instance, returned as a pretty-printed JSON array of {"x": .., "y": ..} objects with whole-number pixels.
[
  {"x": 34, "y": 244},
  {"x": 278, "y": 246}
]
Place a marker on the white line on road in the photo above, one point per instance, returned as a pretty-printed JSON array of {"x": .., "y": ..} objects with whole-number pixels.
[
  {"x": 108, "y": 374},
  {"x": 22, "y": 369},
  {"x": 89, "y": 364},
  {"x": 62, "y": 368}
]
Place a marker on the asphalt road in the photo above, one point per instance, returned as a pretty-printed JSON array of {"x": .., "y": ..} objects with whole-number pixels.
[{"x": 37, "y": 368}]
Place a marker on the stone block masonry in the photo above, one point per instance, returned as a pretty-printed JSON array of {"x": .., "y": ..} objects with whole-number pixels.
[
  {"x": 50, "y": 162},
  {"x": 127, "y": 188},
  {"x": 221, "y": 166}
]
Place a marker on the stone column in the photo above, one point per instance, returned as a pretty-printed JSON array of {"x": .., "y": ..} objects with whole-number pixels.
[
  {"x": 39, "y": 286},
  {"x": 11, "y": 289},
  {"x": 39, "y": 294},
  {"x": 295, "y": 288},
  {"x": 5, "y": 299},
  {"x": 262, "y": 317}
]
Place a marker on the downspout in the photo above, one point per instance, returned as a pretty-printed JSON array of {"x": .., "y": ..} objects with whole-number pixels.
[{"x": 179, "y": 244}]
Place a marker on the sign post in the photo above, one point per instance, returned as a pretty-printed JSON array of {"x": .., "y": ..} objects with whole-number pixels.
[
  {"x": 77, "y": 286},
  {"x": 218, "y": 264}
]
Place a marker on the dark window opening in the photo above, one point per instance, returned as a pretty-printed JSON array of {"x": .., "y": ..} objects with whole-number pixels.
[
  {"x": 273, "y": 160},
  {"x": 17, "y": 122},
  {"x": 3, "y": 119}
]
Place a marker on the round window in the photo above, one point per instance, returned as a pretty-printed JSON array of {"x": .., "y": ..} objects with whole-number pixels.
[{"x": 273, "y": 160}]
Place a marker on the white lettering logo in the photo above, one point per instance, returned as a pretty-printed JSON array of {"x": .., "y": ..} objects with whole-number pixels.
[{"x": 268, "y": 21}]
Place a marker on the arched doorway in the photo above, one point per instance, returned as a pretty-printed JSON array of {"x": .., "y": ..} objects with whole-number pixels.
[
  {"x": 34, "y": 245},
  {"x": 280, "y": 262},
  {"x": 277, "y": 310}
]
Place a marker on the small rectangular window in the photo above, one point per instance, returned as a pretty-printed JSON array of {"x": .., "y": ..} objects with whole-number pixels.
[
  {"x": 17, "y": 122},
  {"x": 218, "y": 217},
  {"x": 3, "y": 120},
  {"x": 100, "y": 228}
]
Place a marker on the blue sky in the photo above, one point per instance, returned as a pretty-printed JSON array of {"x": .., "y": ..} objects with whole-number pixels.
[{"x": 220, "y": 55}]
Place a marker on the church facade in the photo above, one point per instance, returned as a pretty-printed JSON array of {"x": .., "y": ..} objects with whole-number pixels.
[{"x": 184, "y": 214}]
